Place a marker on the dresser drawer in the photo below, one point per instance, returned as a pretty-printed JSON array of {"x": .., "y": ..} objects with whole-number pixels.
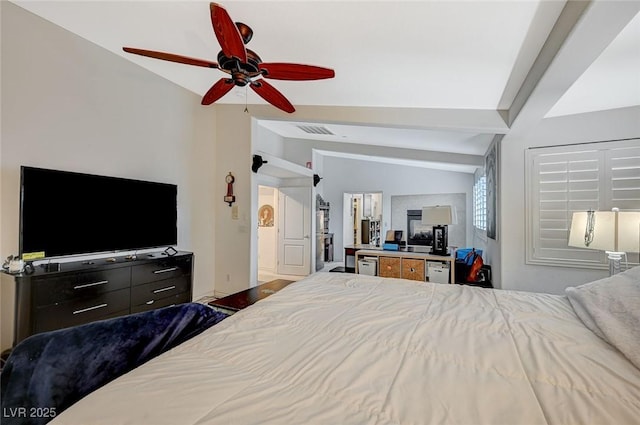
[
  {"x": 413, "y": 269},
  {"x": 389, "y": 267},
  {"x": 152, "y": 304},
  {"x": 142, "y": 294},
  {"x": 162, "y": 269},
  {"x": 76, "y": 312},
  {"x": 55, "y": 289}
]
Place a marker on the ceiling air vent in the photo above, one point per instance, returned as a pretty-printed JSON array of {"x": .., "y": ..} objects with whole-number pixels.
[{"x": 315, "y": 129}]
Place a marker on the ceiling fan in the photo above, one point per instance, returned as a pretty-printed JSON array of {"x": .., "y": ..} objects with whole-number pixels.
[{"x": 244, "y": 66}]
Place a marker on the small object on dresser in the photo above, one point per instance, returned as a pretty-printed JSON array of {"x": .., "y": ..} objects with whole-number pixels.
[
  {"x": 393, "y": 240},
  {"x": 16, "y": 265},
  {"x": 13, "y": 264},
  {"x": 51, "y": 267}
]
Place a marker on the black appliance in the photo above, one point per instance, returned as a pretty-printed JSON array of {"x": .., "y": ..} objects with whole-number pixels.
[
  {"x": 440, "y": 240},
  {"x": 66, "y": 213}
]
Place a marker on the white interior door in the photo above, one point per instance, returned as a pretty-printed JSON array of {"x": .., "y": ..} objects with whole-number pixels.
[{"x": 294, "y": 235}]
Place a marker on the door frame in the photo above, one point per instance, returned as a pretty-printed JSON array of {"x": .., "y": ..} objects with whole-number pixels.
[
  {"x": 296, "y": 176},
  {"x": 347, "y": 228}
]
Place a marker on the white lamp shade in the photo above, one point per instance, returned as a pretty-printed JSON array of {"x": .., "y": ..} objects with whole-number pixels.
[
  {"x": 629, "y": 231},
  {"x": 605, "y": 236},
  {"x": 439, "y": 214}
]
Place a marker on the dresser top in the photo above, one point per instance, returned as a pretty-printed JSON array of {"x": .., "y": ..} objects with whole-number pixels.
[{"x": 102, "y": 263}]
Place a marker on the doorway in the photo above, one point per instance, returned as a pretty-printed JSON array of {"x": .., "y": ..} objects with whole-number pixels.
[
  {"x": 284, "y": 233},
  {"x": 267, "y": 233},
  {"x": 362, "y": 219}
]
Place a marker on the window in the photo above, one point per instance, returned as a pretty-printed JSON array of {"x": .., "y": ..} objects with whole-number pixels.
[
  {"x": 566, "y": 179},
  {"x": 480, "y": 203}
]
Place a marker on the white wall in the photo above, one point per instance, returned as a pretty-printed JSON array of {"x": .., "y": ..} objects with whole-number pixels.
[
  {"x": 233, "y": 236},
  {"x": 267, "y": 141},
  {"x": 457, "y": 234},
  {"x": 589, "y": 127},
  {"x": 342, "y": 175},
  {"x": 68, "y": 104}
]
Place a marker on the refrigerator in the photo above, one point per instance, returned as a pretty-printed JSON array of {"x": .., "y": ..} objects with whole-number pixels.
[{"x": 320, "y": 231}]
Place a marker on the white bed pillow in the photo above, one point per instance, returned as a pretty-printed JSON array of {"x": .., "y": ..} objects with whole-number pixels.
[{"x": 610, "y": 307}]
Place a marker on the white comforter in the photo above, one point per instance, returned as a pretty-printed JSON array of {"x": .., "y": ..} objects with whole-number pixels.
[{"x": 352, "y": 349}]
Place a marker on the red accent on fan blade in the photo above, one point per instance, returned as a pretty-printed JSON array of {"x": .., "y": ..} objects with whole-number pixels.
[
  {"x": 171, "y": 57},
  {"x": 295, "y": 71},
  {"x": 227, "y": 33},
  {"x": 272, "y": 95},
  {"x": 218, "y": 90}
]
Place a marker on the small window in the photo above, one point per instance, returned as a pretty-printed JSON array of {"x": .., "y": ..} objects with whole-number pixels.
[{"x": 480, "y": 203}]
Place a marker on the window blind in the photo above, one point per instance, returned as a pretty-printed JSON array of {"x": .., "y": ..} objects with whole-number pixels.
[{"x": 566, "y": 179}]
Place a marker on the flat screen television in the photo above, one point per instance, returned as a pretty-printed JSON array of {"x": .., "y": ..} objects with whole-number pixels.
[{"x": 64, "y": 213}]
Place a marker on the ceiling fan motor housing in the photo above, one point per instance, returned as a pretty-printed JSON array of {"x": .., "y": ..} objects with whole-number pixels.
[{"x": 241, "y": 72}]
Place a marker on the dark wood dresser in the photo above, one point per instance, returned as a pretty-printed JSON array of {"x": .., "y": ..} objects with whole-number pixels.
[{"x": 85, "y": 291}]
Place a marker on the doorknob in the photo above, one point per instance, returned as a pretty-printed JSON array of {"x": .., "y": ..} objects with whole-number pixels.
[{"x": 306, "y": 236}]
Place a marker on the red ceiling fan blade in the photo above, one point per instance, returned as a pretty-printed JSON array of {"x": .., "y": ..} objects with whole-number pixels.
[
  {"x": 227, "y": 33},
  {"x": 218, "y": 90},
  {"x": 295, "y": 71},
  {"x": 271, "y": 95},
  {"x": 171, "y": 57}
]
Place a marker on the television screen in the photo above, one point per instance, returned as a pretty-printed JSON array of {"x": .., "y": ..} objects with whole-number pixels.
[{"x": 65, "y": 213}]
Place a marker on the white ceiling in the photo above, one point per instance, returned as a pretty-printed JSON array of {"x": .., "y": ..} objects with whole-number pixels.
[
  {"x": 421, "y": 54},
  {"x": 612, "y": 80}
]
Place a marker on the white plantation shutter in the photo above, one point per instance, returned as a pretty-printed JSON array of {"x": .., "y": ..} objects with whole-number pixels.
[
  {"x": 623, "y": 187},
  {"x": 566, "y": 179}
]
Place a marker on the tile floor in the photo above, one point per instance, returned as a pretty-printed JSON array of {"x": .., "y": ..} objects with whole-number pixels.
[{"x": 267, "y": 277}]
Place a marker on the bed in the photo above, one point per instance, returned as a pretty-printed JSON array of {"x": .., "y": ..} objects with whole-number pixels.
[{"x": 352, "y": 349}]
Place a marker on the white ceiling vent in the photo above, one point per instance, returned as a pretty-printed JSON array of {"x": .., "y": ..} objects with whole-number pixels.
[{"x": 314, "y": 129}]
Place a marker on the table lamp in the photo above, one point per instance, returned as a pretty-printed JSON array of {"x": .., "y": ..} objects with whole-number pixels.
[
  {"x": 439, "y": 217},
  {"x": 615, "y": 232}
]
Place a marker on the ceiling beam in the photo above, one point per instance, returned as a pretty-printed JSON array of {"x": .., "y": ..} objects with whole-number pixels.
[
  {"x": 547, "y": 13},
  {"x": 394, "y": 154},
  {"x": 471, "y": 120},
  {"x": 583, "y": 31}
]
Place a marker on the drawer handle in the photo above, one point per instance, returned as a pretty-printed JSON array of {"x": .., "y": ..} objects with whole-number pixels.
[
  {"x": 412, "y": 270},
  {"x": 95, "y": 307},
  {"x": 172, "y": 269},
  {"x": 86, "y": 285},
  {"x": 150, "y": 302},
  {"x": 168, "y": 288}
]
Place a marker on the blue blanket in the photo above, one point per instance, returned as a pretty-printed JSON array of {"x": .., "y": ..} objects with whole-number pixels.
[{"x": 48, "y": 372}]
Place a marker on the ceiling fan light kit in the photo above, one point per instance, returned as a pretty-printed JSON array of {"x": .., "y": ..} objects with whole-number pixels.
[{"x": 243, "y": 65}]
